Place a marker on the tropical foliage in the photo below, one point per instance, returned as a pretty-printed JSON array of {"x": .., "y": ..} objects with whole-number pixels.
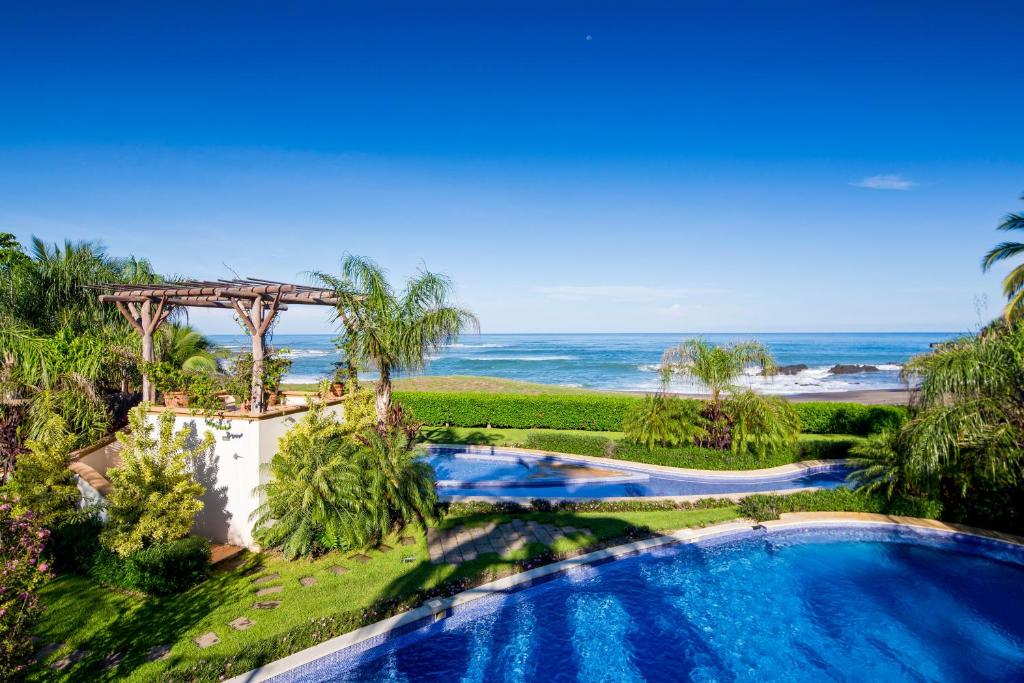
[
  {"x": 965, "y": 444},
  {"x": 715, "y": 368},
  {"x": 155, "y": 497},
  {"x": 183, "y": 348},
  {"x": 42, "y": 483},
  {"x": 760, "y": 424},
  {"x": 660, "y": 420},
  {"x": 305, "y": 497},
  {"x": 1013, "y": 283},
  {"x": 329, "y": 490},
  {"x": 389, "y": 331},
  {"x": 22, "y": 573}
]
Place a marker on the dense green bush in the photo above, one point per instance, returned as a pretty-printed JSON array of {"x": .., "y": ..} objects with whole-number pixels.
[
  {"x": 767, "y": 506},
  {"x": 832, "y": 447},
  {"x": 160, "y": 569},
  {"x": 606, "y": 413},
  {"x": 523, "y": 411},
  {"x": 848, "y": 418}
]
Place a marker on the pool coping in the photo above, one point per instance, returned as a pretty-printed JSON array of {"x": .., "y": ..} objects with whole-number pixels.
[{"x": 439, "y": 608}]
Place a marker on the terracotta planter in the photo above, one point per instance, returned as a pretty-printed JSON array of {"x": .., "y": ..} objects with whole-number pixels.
[
  {"x": 275, "y": 398},
  {"x": 176, "y": 399},
  {"x": 338, "y": 389}
]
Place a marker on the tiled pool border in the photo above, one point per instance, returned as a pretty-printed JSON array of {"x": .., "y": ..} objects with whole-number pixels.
[{"x": 367, "y": 637}]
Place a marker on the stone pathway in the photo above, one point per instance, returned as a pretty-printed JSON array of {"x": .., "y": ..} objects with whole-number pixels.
[{"x": 464, "y": 544}]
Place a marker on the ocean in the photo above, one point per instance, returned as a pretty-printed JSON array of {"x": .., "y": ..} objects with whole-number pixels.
[{"x": 629, "y": 362}]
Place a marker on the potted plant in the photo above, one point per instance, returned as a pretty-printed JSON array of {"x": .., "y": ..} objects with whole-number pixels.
[
  {"x": 337, "y": 387},
  {"x": 275, "y": 366},
  {"x": 172, "y": 384}
]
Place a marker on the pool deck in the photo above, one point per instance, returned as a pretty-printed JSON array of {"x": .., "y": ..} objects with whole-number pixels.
[{"x": 440, "y": 608}]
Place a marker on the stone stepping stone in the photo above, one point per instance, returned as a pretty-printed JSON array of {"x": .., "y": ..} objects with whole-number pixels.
[
  {"x": 307, "y": 581},
  {"x": 267, "y": 578},
  {"x": 269, "y": 604},
  {"x": 47, "y": 650},
  {"x": 241, "y": 624},
  {"x": 269, "y": 591},
  {"x": 158, "y": 653},
  {"x": 384, "y": 547},
  {"x": 111, "y": 661},
  {"x": 206, "y": 640},
  {"x": 338, "y": 570},
  {"x": 360, "y": 558},
  {"x": 68, "y": 659},
  {"x": 407, "y": 540}
]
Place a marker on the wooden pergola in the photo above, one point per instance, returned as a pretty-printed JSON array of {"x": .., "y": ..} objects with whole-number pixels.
[{"x": 257, "y": 302}]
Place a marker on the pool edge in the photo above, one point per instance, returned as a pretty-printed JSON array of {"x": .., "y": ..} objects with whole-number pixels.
[{"x": 438, "y": 608}]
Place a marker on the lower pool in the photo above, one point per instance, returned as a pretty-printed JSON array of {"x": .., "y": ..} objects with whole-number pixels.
[
  {"x": 513, "y": 475},
  {"x": 863, "y": 604}
]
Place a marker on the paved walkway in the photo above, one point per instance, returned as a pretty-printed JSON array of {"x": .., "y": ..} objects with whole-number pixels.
[{"x": 464, "y": 544}]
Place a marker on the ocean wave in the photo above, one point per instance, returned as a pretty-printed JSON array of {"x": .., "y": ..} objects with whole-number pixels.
[
  {"x": 525, "y": 359},
  {"x": 475, "y": 346}
]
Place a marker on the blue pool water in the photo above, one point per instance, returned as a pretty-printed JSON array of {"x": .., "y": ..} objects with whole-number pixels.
[
  {"x": 839, "y": 605},
  {"x": 513, "y": 475}
]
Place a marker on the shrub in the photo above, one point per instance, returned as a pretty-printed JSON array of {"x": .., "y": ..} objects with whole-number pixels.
[
  {"x": 41, "y": 480},
  {"x": 763, "y": 507},
  {"x": 816, "y": 447},
  {"x": 848, "y": 418},
  {"x": 607, "y": 413},
  {"x": 22, "y": 573},
  {"x": 577, "y": 444},
  {"x": 160, "y": 569},
  {"x": 155, "y": 497},
  {"x": 475, "y": 409}
]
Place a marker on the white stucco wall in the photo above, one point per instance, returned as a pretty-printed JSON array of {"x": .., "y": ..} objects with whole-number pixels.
[{"x": 233, "y": 469}]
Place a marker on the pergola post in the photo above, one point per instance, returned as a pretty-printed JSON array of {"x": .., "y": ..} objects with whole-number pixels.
[
  {"x": 145, "y": 317},
  {"x": 257, "y": 319}
]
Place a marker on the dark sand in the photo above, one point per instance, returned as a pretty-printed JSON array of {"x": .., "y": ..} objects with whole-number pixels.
[{"x": 889, "y": 397}]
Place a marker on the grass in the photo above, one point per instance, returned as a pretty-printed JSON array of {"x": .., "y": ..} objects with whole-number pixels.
[{"x": 87, "y": 616}]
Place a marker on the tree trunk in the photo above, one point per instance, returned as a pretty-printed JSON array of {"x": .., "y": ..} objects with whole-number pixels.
[
  {"x": 258, "y": 356},
  {"x": 148, "y": 390},
  {"x": 383, "y": 396}
]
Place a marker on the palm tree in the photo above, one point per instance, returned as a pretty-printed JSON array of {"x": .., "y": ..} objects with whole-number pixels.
[
  {"x": 1013, "y": 283},
  {"x": 388, "y": 486},
  {"x": 391, "y": 331},
  {"x": 186, "y": 349},
  {"x": 716, "y": 368},
  {"x": 305, "y": 499}
]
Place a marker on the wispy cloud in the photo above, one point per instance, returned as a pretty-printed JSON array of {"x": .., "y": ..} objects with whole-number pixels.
[
  {"x": 884, "y": 182},
  {"x": 620, "y": 293}
]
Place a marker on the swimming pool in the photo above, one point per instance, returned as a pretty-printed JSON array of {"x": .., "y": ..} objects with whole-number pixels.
[
  {"x": 503, "y": 474},
  {"x": 847, "y": 604}
]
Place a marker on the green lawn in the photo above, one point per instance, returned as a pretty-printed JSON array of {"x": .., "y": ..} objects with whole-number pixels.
[{"x": 86, "y": 616}]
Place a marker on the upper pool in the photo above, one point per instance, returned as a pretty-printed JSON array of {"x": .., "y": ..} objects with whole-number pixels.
[
  {"x": 464, "y": 472},
  {"x": 808, "y": 605}
]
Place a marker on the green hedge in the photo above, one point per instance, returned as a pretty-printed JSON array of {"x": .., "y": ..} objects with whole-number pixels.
[
  {"x": 605, "y": 413},
  {"x": 763, "y": 507}
]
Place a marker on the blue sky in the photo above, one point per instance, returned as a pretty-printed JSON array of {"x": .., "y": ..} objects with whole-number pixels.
[{"x": 579, "y": 167}]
